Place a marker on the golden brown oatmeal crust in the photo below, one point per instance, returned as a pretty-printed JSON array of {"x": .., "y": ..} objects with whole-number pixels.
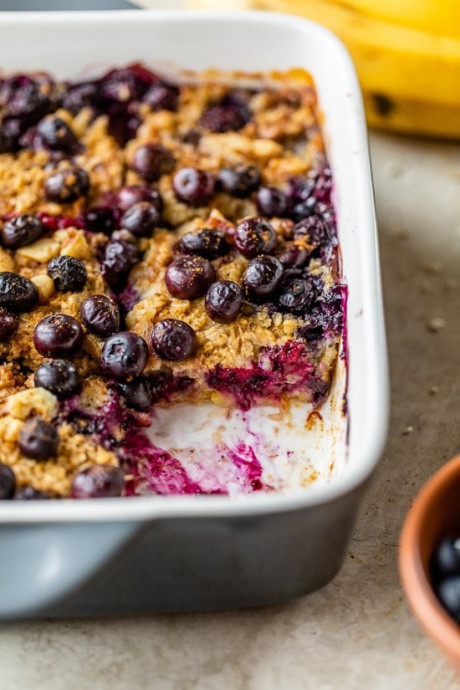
[{"x": 281, "y": 139}]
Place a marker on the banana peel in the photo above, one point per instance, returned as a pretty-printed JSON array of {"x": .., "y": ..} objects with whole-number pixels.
[{"x": 410, "y": 77}]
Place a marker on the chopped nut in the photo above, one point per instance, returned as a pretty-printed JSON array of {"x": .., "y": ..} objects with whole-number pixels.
[
  {"x": 6, "y": 261},
  {"x": 289, "y": 327},
  {"x": 45, "y": 287},
  {"x": 42, "y": 250},
  {"x": 39, "y": 400},
  {"x": 264, "y": 148},
  {"x": 9, "y": 429},
  {"x": 78, "y": 247}
]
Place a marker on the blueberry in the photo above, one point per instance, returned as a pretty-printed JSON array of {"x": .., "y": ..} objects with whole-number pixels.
[
  {"x": 316, "y": 230},
  {"x": 152, "y": 161},
  {"x": 295, "y": 296},
  {"x": 81, "y": 95},
  {"x": 188, "y": 277},
  {"x": 141, "y": 393},
  {"x": 294, "y": 257},
  {"x": 448, "y": 592},
  {"x": 7, "y": 482},
  {"x": 208, "y": 243},
  {"x": 38, "y": 439},
  {"x": 124, "y": 355},
  {"x": 193, "y": 137},
  {"x": 128, "y": 196},
  {"x": 119, "y": 258},
  {"x": 21, "y": 231},
  {"x": 66, "y": 186},
  {"x": 193, "y": 186},
  {"x": 12, "y": 129},
  {"x": 8, "y": 142},
  {"x": 310, "y": 195},
  {"x": 262, "y": 276},
  {"x": 16, "y": 292},
  {"x": 101, "y": 315},
  {"x": 240, "y": 180},
  {"x": 325, "y": 315},
  {"x": 300, "y": 188},
  {"x": 68, "y": 274},
  {"x": 27, "y": 97},
  {"x": 98, "y": 481},
  {"x": 301, "y": 199},
  {"x": 121, "y": 85},
  {"x": 162, "y": 97},
  {"x": 28, "y": 493},
  {"x": 271, "y": 201},
  {"x": 58, "y": 376},
  {"x": 124, "y": 121},
  {"x": 230, "y": 114},
  {"x": 303, "y": 209},
  {"x": 8, "y": 324},
  {"x": 223, "y": 301},
  {"x": 56, "y": 135},
  {"x": 173, "y": 340},
  {"x": 30, "y": 140},
  {"x": 255, "y": 236},
  {"x": 138, "y": 394},
  {"x": 58, "y": 335},
  {"x": 100, "y": 219},
  {"x": 323, "y": 185},
  {"x": 141, "y": 219},
  {"x": 445, "y": 561}
]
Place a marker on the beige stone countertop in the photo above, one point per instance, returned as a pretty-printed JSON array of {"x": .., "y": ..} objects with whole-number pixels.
[{"x": 356, "y": 632}]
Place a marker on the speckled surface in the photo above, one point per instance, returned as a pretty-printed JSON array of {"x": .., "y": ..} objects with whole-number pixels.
[{"x": 357, "y": 631}]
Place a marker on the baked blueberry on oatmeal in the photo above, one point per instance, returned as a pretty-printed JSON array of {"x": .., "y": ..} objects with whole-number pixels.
[{"x": 161, "y": 245}]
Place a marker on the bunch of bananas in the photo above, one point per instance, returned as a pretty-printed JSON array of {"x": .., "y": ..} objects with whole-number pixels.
[{"x": 407, "y": 53}]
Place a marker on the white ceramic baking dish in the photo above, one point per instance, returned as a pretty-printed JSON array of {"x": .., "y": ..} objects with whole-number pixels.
[{"x": 189, "y": 553}]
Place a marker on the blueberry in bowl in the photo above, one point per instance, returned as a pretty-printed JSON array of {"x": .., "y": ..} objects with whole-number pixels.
[
  {"x": 429, "y": 559},
  {"x": 445, "y": 574}
]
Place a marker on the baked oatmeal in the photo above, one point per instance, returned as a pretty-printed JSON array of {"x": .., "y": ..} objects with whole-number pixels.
[{"x": 160, "y": 244}]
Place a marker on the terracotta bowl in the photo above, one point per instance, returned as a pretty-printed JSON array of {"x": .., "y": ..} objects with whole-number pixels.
[{"x": 434, "y": 513}]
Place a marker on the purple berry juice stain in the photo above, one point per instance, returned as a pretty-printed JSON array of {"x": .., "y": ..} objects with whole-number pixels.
[{"x": 249, "y": 466}]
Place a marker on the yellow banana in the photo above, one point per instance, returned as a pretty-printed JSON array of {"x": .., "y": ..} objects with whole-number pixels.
[
  {"x": 439, "y": 17},
  {"x": 410, "y": 76}
]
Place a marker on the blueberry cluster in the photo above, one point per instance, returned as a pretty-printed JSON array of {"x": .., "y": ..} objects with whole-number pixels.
[
  {"x": 271, "y": 276},
  {"x": 445, "y": 574},
  {"x": 132, "y": 213},
  {"x": 29, "y": 101},
  {"x": 282, "y": 281},
  {"x": 28, "y": 104}
]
